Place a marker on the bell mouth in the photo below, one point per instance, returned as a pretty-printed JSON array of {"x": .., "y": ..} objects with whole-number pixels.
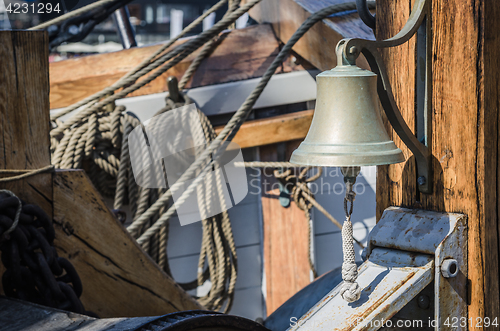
[{"x": 348, "y": 155}]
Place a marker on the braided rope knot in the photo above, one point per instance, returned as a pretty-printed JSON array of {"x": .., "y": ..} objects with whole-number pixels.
[{"x": 350, "y": 292}]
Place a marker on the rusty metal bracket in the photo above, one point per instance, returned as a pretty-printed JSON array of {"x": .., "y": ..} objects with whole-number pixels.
[{"x": 408, "y": 251}]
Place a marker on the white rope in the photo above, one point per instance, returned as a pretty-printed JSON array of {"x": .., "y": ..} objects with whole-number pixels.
[
  {"x": 18, "y": 212},
  {"x": 350, "y": 290}
]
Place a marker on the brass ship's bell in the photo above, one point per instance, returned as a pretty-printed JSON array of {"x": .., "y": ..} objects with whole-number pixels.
[{"x": 347, "y": 129}]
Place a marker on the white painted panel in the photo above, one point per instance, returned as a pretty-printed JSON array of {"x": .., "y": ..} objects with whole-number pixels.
[
  {"x": 245, "y": 223},
  {"x": 184, "y": 240},
  {"x": 248, "y": 303},
  {"x": 249, "y": 267},
  {"x": 185, "y": 268}
]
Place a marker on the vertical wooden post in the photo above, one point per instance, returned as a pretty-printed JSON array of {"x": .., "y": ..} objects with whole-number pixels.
[
  {"x": 24, "y": 112},
  {"x": 465, "y": 129},
  {"x": 286, "y": 263}
]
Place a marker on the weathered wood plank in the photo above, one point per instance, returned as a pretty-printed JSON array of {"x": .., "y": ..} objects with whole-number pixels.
[
  {"x": 465, "y": 131},
  {"x": 242, "y": 54},
  {"x": 286, "y": 263},
  {"x": 273, "y": 130},
  {"x": 119, "y": 279},
  {"x": 318, "y": 44},
  {"x": 24, "y": 113}
]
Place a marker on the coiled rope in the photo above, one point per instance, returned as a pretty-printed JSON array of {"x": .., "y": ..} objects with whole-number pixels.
[
  {"x": 101, "y": 141},
  {"x": 97, "y": 135}
]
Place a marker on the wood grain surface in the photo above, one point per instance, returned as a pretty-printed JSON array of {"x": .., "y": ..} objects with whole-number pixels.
[
  {"x": 24, "y": 113},
  {"x": 273, "y": 130},
  {"x": 119, "y": 279},
  {"x": 465, "y": 129}
]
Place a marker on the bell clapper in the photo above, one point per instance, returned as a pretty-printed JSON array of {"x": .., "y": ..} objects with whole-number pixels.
[{"x": 350, "y": 290}]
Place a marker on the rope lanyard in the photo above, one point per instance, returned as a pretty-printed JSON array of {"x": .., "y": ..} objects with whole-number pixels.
[{"x": 350, "y": 290}]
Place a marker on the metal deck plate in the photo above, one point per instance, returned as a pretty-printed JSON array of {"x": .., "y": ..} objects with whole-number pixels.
[{"x": 390, "y": 279}]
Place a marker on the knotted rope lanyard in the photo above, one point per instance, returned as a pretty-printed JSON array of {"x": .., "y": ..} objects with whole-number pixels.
[{"x": 350, "y": 290}]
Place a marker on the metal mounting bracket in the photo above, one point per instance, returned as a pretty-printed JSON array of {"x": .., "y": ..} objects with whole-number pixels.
[
  {"x": 352, "y": 48},
  {"x": 407, "y": 250}
]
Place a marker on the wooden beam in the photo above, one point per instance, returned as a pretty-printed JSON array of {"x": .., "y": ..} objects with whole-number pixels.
[
  {"x": 286, "y": 263},
  {"x": 24, "y": 113},
  {"x": 273, "y": 130},
  {"x": 241, "y": 54},
  {"x": 318, "y": 45},
  {"x": 119, "y": 279},
  {"x": 464, "y": 135}
]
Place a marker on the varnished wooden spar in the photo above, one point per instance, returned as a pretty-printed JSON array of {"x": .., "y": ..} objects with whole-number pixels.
[
  {"x": 273, "y": 130},
  {"x": 241, "y": 54},
  {"x": 118, "y": 278}
]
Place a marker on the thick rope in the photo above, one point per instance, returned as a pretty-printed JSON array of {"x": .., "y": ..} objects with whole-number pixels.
[
  {"x": 160, "y": 66},
  {"x": 350, "y": 290},
  {"x": 16, "y": 217},
  {"x": 232, "y": 126},
  {"x": 153, "y": 58},
  {"x": 72, "y": 14},
  {"x": 23, "y": 173},
  {"x": 93, "y": 136}
]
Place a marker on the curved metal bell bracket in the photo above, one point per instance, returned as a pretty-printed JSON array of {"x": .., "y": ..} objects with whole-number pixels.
[{"x": 348, "y": 51}]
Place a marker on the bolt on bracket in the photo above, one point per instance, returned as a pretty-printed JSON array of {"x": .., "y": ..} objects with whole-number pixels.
[{"x": 407, "y": 251}]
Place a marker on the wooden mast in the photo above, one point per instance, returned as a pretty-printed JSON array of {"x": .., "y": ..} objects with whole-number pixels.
[{"x": 464, "y": 144}]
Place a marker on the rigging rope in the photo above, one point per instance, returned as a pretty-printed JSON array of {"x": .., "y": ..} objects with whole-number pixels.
[
  {"x": 96, "y": 138},
  {"x": 230, "y": 129},
  {"x": 303, "y": 186},
  {"x": 72, "y": 14}
]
